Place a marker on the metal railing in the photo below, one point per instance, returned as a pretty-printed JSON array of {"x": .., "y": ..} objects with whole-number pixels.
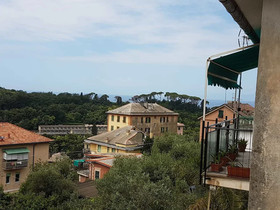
[
  {"x": 13, "y": 165},
  {"x": 220, "y": 144}
]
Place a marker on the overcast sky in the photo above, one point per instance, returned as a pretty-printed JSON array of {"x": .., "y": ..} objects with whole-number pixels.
[{"x": 118, "y": 47}]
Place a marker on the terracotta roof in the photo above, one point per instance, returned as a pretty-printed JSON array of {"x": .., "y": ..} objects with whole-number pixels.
[
  {"x": 246, "y": 109},
  {"x": 12, "y": 134},
  {"x": 127, "y": 135},
  {"x": 142, "y": 109}
]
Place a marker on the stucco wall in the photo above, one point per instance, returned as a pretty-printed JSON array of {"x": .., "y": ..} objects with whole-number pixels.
[
  {"x": 211, "y": 118},
  {"x": 41, "y": 154}
]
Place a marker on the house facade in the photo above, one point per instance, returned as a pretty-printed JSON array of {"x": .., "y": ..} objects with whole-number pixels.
[
  {"x": 150, "y": 118},
  {"x": 20, "y": 150},
  {"x": 226, "y": 111}
]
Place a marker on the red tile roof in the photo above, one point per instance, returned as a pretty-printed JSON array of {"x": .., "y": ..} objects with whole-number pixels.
[{"x": 12, "y": 134}]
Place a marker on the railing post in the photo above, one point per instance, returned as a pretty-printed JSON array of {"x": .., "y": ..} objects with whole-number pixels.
[
  {"x": 201, "y": 151},
  {"x": 217, "y": 139},
  {"x": 227, "y": 124},
  {"x": 205, "y": 151}
]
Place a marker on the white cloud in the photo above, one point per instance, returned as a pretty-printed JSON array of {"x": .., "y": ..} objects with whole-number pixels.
[{"x": 183, "y": 40}]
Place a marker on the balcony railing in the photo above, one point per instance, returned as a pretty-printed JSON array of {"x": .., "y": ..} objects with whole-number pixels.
[
  {"x": 13, "y": 165},
  {"x": 221, "y": 152}
]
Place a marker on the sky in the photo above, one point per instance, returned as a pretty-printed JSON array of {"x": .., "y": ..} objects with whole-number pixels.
[{"x": 117, "y": 47}]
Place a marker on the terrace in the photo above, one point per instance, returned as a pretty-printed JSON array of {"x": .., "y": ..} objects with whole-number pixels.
[{"x": 223, "y": 162}]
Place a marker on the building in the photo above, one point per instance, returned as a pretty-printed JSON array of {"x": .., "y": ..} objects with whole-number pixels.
[
  {"x": 123, "y": 140},
  {"x": 85, "y": 129},
  {"x": 259, "y": 19},
  {"x": 180, "y": 128},
  {"x": 150, "y": 118},
  {"x": 20, "y": 149},
  {"x": 99, "y": 165},
  {"x": 225, "y": 111}
]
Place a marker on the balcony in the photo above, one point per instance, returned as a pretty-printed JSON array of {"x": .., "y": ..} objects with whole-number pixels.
[
  {"x": 13, "y": 165},
  {"x": 224, "y": 163}
]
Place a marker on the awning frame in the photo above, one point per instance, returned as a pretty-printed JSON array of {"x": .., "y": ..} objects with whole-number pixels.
[{"x": 226, "y": 68}]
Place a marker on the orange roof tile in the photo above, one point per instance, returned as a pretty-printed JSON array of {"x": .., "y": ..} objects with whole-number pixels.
[{"x": 12, "y": 134}]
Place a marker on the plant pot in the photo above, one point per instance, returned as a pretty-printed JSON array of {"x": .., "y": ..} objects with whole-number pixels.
[
  {"x": 216, "y": 167},
  {"x": 238, "y": 172},
  {"x": 232, "y": 156},
  {"x": 224, "y": 160},
  {"x": 242, "y": 147}
]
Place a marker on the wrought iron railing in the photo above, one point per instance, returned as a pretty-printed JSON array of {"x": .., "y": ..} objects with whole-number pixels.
[
  {"x": 13, "y": 165},
  {"x": 220, "y": 152}
]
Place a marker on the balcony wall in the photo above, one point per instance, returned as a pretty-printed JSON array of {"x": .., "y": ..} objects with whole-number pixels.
[{"x": 14, "y": 165}]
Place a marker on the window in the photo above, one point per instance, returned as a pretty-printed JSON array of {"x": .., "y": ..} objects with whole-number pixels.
[
  {"x": 221, "y": 114},
  {"x": 124, "y": 119},
  {"x": 118, "y": 127},
  {"x": 113, "y": 150},
  {"x": 166, "y": 119},
  {"x": 112, "y": 118},
  {"x": 8, "y": 175},
  {"x": 17, "y": 177},
  {"x": 142, "y": 119},
  {"x": 179, "y": 128},
  {"x": 98, "y": 148},
  {"x": 118, "y": 118},
  {"x": 166, "y": 129},
  {"x": 147, "y": 130},
  {"x": 112, "y": 128},
  {"x": 148, "y": 119},
  {"x": 97, "y": 175},
  {"x": 162, "y": 119},
  {"x": 108, "y": 149},
  {"x": 162, "y": 129}
]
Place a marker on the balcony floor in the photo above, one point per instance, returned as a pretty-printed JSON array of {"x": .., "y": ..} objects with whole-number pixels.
[{"x": 221, "y": 179}]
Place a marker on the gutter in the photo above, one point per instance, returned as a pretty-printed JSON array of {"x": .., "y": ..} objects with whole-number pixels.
[{"x": 233, "y": 9}]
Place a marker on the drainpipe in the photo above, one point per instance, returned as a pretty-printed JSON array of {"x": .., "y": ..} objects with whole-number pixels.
[{"x": 33, "y": 156}]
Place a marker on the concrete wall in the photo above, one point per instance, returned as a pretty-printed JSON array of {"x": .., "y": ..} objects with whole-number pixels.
[
  {"x": 94, "y": 148},
  {"x": 155, "y": 125},
  {"x": 97, "y": 167},
  {"x": 265, "y": 161},
  {"x": 41, "y": 154}
]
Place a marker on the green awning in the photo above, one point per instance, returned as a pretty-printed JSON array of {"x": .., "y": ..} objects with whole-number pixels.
[
  {"x": 76, "y": 162},
  {"x": 16, "y": 151},
  {"x": 224, "y": 71}
]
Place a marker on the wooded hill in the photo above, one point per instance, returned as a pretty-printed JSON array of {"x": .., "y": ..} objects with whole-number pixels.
[{"x": 29, "y": 110}]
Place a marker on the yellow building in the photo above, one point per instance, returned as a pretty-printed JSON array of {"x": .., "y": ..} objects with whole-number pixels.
[
  {"x": 150, "y": 118},
  {"x": 127, "y": 139},
  {"x": 20, "y": 150}
]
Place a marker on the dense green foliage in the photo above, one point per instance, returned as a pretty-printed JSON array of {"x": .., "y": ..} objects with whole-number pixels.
[
  {"x": 29, "y": 110},
  {"x": 48, "y": 186},
  {"x": 72, "y": 145},
  {"x": 163, "y": 180}
]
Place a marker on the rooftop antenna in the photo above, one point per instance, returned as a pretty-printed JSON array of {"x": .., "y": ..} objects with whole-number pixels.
[{"x": 243, "y": 39}]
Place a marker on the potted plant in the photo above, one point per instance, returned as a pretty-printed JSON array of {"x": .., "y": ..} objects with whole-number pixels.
[
  {"x": 234, "y": 170},
  {"x": 216, "y": 165},
  {"x": 232, "y": 152},
  {"x": 224, "y": 157},
  {"x": 242, "y": 144}
]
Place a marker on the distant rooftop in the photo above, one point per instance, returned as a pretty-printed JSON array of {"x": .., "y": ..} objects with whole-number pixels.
[
  {"x": 12, "y": 134},
  {"x": 142, "y": 109},
  {"x": 124, "y": 136}
]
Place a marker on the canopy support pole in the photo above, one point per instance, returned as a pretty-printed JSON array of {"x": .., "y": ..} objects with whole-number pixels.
[{"x": 205, "y": 89}]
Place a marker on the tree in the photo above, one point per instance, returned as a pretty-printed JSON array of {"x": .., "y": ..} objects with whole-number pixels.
[
  {"x": 51, "y": 181},
  {"x": 118, "y": 100}
]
